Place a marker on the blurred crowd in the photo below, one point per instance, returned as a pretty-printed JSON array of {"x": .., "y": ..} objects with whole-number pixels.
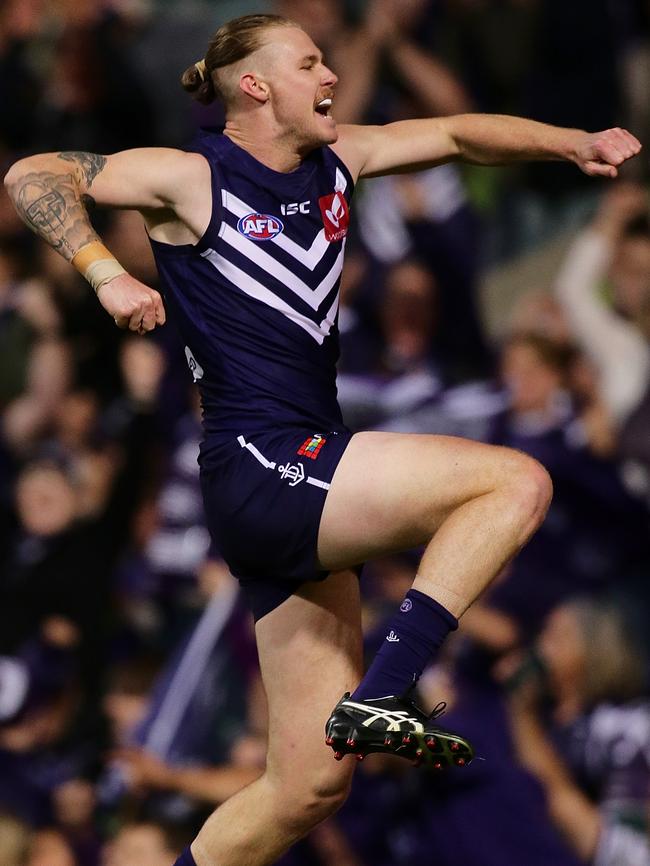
[{"x": 506, "y": 305}]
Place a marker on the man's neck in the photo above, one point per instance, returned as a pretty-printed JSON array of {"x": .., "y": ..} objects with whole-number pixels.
[{"x": 272, "y": 152}]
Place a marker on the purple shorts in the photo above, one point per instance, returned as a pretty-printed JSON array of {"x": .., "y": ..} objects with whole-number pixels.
[{"x": 264, "y": 494}]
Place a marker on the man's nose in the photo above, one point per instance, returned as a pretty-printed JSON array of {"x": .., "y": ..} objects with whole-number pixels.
[{"x": 329, "y": 78}]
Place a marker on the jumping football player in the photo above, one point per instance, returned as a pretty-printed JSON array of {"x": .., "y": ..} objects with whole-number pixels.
[{"x": 248, "y": 230}]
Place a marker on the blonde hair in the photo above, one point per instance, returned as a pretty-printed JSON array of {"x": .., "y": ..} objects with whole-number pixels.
[
  {"x": 233, "y": 41},
  {"x": 615, "y": 665}
]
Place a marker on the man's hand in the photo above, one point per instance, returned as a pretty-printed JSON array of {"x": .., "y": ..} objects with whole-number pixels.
[
  {"x": 146, "y": 770},
  {"x": 601, "y": 153},
  {"x": 132, "y": 304}
]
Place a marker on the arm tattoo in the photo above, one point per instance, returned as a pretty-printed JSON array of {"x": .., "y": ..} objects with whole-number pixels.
[
  {"x": 51, "y": 206},
  {"x": 89, "y": 163}
]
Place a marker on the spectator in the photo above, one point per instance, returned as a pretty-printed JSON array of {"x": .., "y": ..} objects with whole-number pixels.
[
  {"x": 595, "y": 762},
  {"x": 49, "y": 848},
  {"x": 142, "y": 844},
  {"x": 74, "y": 812},
  {"x": 189, "y": 745},
  {"x": 594, "y": 528},
  {"x": 614, "y": 250}
]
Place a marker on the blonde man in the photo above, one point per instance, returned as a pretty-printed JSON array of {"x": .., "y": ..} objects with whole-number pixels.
[{"x": 248, "y": 230}]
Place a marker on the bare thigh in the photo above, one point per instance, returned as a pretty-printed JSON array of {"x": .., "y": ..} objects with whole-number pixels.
[
  {"x": 310, "y": 650},
  {"x": 391, "y": 491}
]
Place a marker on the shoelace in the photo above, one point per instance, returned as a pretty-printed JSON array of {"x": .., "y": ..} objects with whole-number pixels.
[{"x": 438, "y": 710}]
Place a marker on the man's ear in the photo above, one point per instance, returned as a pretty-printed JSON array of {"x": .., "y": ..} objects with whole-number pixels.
[{"x": 252, "y": 86}]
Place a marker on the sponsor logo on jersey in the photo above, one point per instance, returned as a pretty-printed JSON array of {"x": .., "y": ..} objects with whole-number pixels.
[
  {"x": 391, "y": 637},
  {"x": 406, "y": 605},
  {"x": 295, "y": 207},
  {"x": 336, "y": 216},
  {"x": 312, "y": 446},
  {"x": 260, "y": 226}
]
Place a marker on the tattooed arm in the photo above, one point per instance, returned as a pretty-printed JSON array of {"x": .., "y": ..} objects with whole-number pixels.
[
  {"x": 50, "y": 192},
  {"x": 53, "y": 205}
]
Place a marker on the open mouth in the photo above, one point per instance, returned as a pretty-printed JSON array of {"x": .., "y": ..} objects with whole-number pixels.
[{"x": 323, "y": 107}]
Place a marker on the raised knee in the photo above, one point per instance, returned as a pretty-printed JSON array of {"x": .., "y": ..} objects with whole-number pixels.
[{"x": 531, "y": 489}]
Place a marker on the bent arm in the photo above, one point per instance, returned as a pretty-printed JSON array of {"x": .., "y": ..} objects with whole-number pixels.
[
  {"x": 483, "y": 139},
  {"x": 50, "y": 192},
  {"x": 50, "y": 201},
  {"x": 617, "y": 348},
  {"x": 427, "y": 78},
  {"x": 574, "y": 815}
]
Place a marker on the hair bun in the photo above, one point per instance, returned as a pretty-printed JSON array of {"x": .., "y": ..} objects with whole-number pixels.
[{"x": 197, "y": 81}]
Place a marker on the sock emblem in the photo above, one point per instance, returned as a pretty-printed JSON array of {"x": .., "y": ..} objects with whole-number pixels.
[
  {"x": 392, "y": 637},
  {"x": 406, "y": 605}
]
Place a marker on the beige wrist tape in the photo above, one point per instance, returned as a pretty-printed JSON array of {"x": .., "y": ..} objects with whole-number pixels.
[{"x": 97, "y": 264}]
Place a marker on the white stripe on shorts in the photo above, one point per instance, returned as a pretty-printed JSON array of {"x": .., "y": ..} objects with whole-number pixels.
[
  {"x": 267, "y": 464},
  {"x": 317, "y": 483}
]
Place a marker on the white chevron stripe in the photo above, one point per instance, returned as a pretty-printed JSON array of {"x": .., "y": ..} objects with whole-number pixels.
[
  {"x": 310, "y": 258},
  {"x": 330, "y": 316},
  {"x": 254, "y": 289},
  {"x": 255, "y": 253}
]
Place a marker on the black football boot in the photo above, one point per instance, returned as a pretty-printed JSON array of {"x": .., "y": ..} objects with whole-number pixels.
[{"x": 396, "y": 726}]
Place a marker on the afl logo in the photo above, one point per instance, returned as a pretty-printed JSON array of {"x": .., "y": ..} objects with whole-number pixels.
[{"x": 260, "y": 226}]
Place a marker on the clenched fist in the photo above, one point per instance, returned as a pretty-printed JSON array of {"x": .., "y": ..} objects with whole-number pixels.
[
  {"x": 601, "y": 153},
  {"x": 132, "y": 304}
]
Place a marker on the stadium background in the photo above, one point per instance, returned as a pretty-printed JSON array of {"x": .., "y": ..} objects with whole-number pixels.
[{"x": 509, "y": 305}]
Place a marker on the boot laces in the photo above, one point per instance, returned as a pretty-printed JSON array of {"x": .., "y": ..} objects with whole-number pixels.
[{"x": 438, "y": 710}]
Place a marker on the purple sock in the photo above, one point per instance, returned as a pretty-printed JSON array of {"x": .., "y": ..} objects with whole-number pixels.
[
  {"x": 414, "y": 635},
  {"x": 185, "y": 859}
]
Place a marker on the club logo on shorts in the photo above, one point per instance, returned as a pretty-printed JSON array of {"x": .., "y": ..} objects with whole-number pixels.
[
  {"x": 406, "y": 605},
  {"x": 294, "y": 473},
  {"x": 260, "y": 226},
  {"x": 312, "y": 446},
  {"x": 336, "y": 216}
]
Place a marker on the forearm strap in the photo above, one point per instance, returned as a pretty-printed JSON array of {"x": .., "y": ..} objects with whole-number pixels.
[{"x": 97, "y": 264}]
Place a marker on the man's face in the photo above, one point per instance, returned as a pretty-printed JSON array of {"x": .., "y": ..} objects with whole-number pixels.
[
  {"x": 138, "y": 845},
  {"x": 300, "y": 86},
  {"x": 630, "y": 275},
  {"x": 531, "y": 382}
]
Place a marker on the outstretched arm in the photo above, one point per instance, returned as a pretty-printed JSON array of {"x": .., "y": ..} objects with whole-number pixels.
[
  {"x": 484, "y": 139},
  {"x": 50, "y": 192}
]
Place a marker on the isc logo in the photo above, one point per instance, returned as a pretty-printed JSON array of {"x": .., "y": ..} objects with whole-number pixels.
[
  {"x": 260, "y": 226},
  {"x": 295, "y": 207}
]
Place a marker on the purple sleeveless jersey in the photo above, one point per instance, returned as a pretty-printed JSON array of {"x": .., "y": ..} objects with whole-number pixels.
[{"x": 256, "y": 299}]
